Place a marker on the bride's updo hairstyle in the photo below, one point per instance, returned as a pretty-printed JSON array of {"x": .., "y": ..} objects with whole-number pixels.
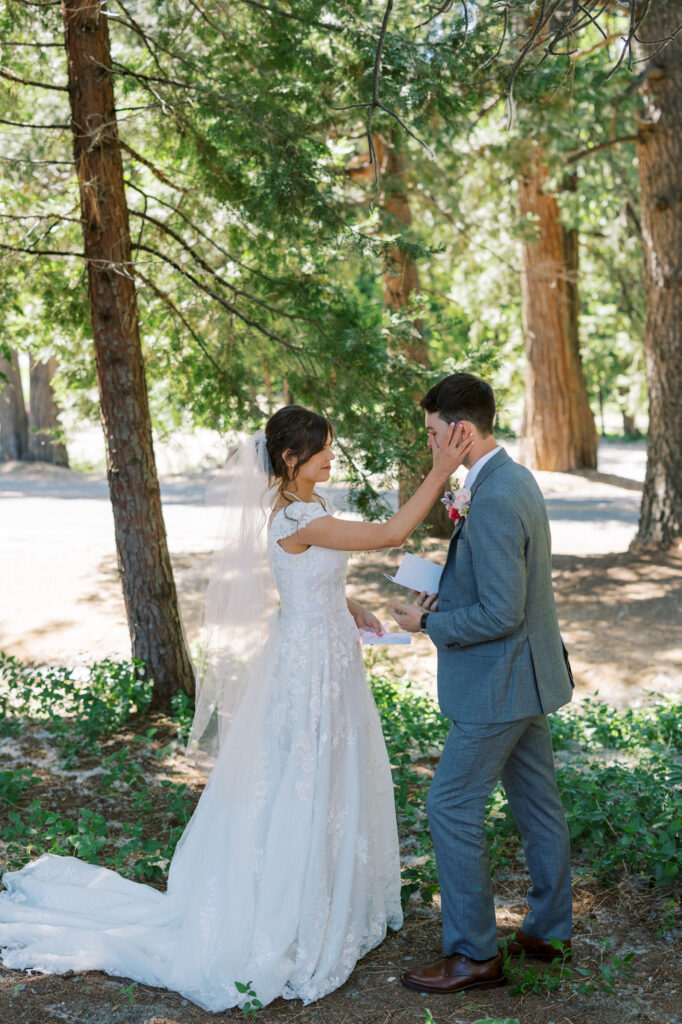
[{"x": 299, "y": 431}]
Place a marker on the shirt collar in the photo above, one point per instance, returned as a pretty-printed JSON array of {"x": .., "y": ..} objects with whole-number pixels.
[{"x": 478, "y": 466}]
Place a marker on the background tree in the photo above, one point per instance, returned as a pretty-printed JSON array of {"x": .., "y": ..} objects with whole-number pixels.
[
  {"x": 45, "y": 444},
  {"x": 13, "y": 418},
  {"x": 659, "y": 150},
  {"x": 144, "y": 561}
]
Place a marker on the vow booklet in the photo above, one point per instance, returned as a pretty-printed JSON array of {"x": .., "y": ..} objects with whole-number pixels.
[
  {"x": 368, "y": 636},
  {"x": 417, "y": 574}
]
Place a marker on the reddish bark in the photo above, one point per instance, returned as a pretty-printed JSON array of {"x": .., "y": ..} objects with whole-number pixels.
[
  {"x": 559, "y": 429},
  {"x": 659, "y": 151},
  {"x": 144, "y": 562}
]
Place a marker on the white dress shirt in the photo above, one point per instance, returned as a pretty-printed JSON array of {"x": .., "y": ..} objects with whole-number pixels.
[{"x": 478, "y": 466}]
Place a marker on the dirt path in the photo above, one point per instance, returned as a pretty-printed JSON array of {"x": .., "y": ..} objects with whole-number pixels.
[{"x": 61, "y": 600}]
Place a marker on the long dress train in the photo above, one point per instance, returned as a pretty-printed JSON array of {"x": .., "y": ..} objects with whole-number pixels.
[{"x": 288, "y": 871}]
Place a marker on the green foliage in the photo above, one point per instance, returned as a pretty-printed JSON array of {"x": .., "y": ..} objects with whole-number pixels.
[
  {"x": 622, "y": 817},
  {"x": 525, "y": 978},
  {"x": 82, "y": 709},
  {"x": 13, "y": 785},
  {"x": 258, "y": 258},
  {"x": 38, "y": 830},
  {"x": 498, "y": 1020},
  {"x": 627, "y": 817},
  {"x": 253, "y": 1003},
  {"x": 129, "y": 992},
  {"x": 595, "y": 723},
  {"x": 80, "y": 705}
]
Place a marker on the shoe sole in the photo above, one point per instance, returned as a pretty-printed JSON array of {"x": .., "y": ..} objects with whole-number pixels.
[{"x": 450, "y": 991}]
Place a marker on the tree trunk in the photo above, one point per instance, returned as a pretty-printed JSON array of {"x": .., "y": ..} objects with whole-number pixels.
[
  {"x": 144, "y": 562},
  {"x": 559, "y": 430},
  {"x": 586, "y": 439},
  {"x": 44, "y": 444},
  {"x": 659, "y": 151},
  {"x": 13, "y": 419},
  {"x": 401, "y": 283}
]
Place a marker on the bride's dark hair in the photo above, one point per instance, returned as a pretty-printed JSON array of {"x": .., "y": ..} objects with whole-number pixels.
[{"x": 302, "y": 432}]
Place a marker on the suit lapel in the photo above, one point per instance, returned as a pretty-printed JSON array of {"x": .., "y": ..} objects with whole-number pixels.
[
  {"x": 451, "y": 545},
  {"x": 498, "y": 459}
]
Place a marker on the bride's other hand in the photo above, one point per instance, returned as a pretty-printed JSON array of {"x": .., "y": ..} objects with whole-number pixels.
[
  {"x": 364, "y": 619},
  {"x": 450, "y": 455},
  {"x": 429, "y": 602}
]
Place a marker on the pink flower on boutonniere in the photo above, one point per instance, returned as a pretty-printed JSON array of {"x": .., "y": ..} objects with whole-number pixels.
[{"x": 457, "y": 503}]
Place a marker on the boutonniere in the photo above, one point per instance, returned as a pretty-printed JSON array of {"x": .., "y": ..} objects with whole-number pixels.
[{"x": 457, "y": 503}]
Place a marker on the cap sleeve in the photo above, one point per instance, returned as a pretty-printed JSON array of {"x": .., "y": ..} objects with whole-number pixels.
[{"x": 295, "y": 517}]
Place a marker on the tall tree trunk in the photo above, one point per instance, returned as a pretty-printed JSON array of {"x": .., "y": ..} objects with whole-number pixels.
[
  {"x": 586, "y": 439},
  {"x": 401, "y": 285},
  {"x": 144, "y": 562},
  {"x": 13, "y": 419},
  {"x": 659, "y": 151},
  {"x": 44, "y": 444},
  {"x": 559, "y": 433}
]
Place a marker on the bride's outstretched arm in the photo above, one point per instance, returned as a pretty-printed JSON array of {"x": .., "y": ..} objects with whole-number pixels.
[{"x": 327, "y": 532}]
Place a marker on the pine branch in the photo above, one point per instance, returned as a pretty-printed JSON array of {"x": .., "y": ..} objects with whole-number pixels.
[
  {"x": 156, "y": 171},
  {"x": 56, "y": 217},
  {"x": 574, "y": 157},
  {"x": 205, "y": 266},
  {"x": 34, "y": 46},
  {"x": 27, "y": 81},
  {"x": 173, "y": 309},
  {"x": 27, "y": 124},
  {"x": 40, "y": 252},
  {"x": 326, "y": 25},
  {"x": 228, "y": 306}
]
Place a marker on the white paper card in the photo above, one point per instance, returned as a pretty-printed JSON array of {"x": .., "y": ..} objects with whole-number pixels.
[
  {"x": 368, "y": 636},
  {"x": 417, "y": 573}
]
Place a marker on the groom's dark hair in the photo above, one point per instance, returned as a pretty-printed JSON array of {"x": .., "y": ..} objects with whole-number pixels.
[{"x": 462, "y": 397}]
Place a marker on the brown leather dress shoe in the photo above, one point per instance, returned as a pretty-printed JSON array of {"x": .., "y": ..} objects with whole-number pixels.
[
  {"x": 456, "y": 973},
  {"x": 541, "y": 949}
]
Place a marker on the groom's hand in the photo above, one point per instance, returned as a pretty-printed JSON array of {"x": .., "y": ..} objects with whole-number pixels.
[
  {"x": 408, "y": 616},
  {"x": 429, "y": 602}
]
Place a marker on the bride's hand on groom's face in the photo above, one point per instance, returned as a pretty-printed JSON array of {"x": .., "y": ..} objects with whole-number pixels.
[{"x": 451, "y": 453}]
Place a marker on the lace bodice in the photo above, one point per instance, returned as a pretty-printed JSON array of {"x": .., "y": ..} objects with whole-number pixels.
[{"x": 310, "y": 583}]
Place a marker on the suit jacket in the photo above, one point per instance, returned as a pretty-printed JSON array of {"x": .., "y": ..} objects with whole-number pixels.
[{"x": 500, "y": 654}]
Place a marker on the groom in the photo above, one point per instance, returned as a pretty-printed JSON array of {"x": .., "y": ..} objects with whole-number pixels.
[{"x": 501, "y": 670}]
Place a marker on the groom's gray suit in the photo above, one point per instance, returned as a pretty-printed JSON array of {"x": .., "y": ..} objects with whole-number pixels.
[{"x": 501, "y": 670}]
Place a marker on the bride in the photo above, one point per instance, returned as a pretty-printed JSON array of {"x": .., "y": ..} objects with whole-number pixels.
[{"x": 288, "y": 871}]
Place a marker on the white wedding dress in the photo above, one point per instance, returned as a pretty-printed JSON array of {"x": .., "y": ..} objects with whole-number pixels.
[{"x": 288, "y": 871}]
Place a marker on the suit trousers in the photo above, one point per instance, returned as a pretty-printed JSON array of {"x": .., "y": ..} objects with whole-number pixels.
[{"x": 475, "y": 757}]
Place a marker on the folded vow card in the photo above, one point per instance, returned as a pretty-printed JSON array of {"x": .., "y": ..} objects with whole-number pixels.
[
  {"x": 417, "y": 573},
  {"x": 368, "y": 636}
]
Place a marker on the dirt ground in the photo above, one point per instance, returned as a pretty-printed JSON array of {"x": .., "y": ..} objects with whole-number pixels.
[{"x": 620, "y": 616}]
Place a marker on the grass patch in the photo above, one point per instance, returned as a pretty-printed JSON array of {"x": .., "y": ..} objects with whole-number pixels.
[
  {"x": 85, "y": 710},
  {"x": 623, "y": 818}
]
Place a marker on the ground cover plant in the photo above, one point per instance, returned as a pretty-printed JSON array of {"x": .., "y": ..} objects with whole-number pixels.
[{"x": 87, "y": 770}]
